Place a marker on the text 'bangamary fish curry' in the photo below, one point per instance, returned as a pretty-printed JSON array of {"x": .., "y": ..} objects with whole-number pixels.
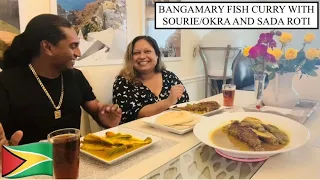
[
  {"x": 250, "y": 134},
  {"x": 112, "y": 145}
]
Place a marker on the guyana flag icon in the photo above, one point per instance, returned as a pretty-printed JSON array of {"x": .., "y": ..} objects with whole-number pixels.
[{"x": 27, "y": 160}]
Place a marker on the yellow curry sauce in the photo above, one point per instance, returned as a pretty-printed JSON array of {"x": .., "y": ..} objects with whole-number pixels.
[
  {"x": 223, "y": 139},
  {"x": 102, "y": 154}
]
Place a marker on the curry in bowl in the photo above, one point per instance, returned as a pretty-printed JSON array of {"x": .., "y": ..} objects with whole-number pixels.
[{"x": 250, "y": 134}]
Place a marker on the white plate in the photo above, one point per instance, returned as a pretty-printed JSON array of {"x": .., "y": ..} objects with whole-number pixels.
[
  {"x": 195, "y": 102},
  {"x": 151, "y": 121},
  {"x": 132, "y": 132},
  {"x": 297, "y": 132}
]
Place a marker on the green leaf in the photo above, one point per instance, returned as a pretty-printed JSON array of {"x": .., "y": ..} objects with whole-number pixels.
[
  {"x": 269, "y": 68},
  {"x": 259, "y": 67},
  {"x": 301, "y": 55},
  {"x": 304, "y": 70},
  {"x": 309, "y": 65},
  {"x": 297, "y": 61},
  {"x": 312, "y": 73},
  {"x": 271, "y": 76},
  {"x": 280, "y": 66},
  {"x": 314, "y": 63}
]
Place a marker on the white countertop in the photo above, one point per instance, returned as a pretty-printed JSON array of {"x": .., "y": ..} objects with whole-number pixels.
[{"x": 301, "y": 163}]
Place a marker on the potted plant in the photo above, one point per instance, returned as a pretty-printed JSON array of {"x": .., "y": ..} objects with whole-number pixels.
[{"x": 281, "y": 64}]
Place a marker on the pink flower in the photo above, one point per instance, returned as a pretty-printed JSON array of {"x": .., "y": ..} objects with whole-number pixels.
[{"x": 258, "y": 50}]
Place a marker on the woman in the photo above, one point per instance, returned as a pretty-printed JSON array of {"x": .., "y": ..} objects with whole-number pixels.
[
  {"x": 40, "y": 91},
  {"x": 144, "y": 87}
]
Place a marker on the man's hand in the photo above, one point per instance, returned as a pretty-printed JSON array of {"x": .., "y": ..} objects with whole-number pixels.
[
  {"x": 110, "y": 115},
  {"x": 15, "y": 139}
]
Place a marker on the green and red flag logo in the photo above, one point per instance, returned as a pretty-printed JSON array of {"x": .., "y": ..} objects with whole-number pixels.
[{"x": 27, "y": 160}]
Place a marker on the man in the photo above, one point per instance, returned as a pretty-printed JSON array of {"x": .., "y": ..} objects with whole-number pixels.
[{"x": 40, "y": 91}]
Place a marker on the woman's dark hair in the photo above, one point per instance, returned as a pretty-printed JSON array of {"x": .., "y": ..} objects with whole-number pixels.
[
  {"x": 154, "y": 45},
  {"x": 26, "y": 45}
]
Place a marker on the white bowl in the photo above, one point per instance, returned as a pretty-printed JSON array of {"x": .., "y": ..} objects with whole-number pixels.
[{"x": 297, "y": 132}]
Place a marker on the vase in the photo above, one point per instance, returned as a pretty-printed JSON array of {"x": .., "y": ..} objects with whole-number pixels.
[
  {"x": 280, "y": 92},
  {"x": 259, "y": 84}
]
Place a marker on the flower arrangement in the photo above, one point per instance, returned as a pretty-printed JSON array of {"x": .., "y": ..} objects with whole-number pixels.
[{"x": 265, "y": 56}]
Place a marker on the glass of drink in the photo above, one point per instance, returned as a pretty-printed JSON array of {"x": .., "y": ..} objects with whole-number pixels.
[
  {"x": 228, "y": 91},
  {"x": 66, "y": 148}
]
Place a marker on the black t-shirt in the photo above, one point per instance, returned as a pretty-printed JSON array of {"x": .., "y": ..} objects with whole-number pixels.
[
  {"x": 132, "y": 98},
  {"x": 25, "y": 106}
]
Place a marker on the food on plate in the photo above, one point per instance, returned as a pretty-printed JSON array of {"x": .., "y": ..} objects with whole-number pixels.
[
  {"x": 112, "y": 145},
  {"x": 180, "y": 127},
  {"x": 283, "y": 137},
  {"x": 246, "y": 135},
  {"x": 267, "y": 137},
  {"x": 201, "y": 107},
  {"x": 178, "y": 119},
  {"x": 194, "y": 121},
  {"x": 250, "y": 134},
  {"x": 174, "y": 117},
  {"x": 253, "y": 123}
]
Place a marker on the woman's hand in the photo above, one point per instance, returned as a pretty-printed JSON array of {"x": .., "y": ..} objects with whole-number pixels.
[{"x": 175, "y": 93}]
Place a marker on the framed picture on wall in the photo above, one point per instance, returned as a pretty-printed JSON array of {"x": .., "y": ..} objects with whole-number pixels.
[
  {"x": 101, "y": 26},
  {"x": 169, "y": 40},
  {"x": 9, "y": 23}
]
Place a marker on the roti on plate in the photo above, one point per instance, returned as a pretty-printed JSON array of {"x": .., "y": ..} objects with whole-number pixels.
[
  {"x": 175, "y": 117},
  {"x": 191, "y": 123},
  {"x": 180, "y": 127}
]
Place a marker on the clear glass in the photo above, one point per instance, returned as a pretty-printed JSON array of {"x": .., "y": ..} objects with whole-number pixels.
[
  {"x": 228, "y": 91},
  {"x": 259, "y": 83},
  {"x": 66, "y": 149}
]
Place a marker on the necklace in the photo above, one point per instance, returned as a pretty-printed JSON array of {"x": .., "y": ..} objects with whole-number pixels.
[{"x": 57, "y": 112}]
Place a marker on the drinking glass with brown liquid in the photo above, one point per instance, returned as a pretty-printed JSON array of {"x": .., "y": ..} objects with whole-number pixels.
[
  {"x": 228, "y": 91},
  {"x": 66, "y": 149}
]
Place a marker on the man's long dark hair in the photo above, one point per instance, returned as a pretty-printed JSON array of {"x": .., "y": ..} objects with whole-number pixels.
[{"x": 26, "y": 45}]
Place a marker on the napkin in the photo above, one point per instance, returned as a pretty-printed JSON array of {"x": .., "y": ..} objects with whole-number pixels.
[{"x": 283, "y": 111}]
